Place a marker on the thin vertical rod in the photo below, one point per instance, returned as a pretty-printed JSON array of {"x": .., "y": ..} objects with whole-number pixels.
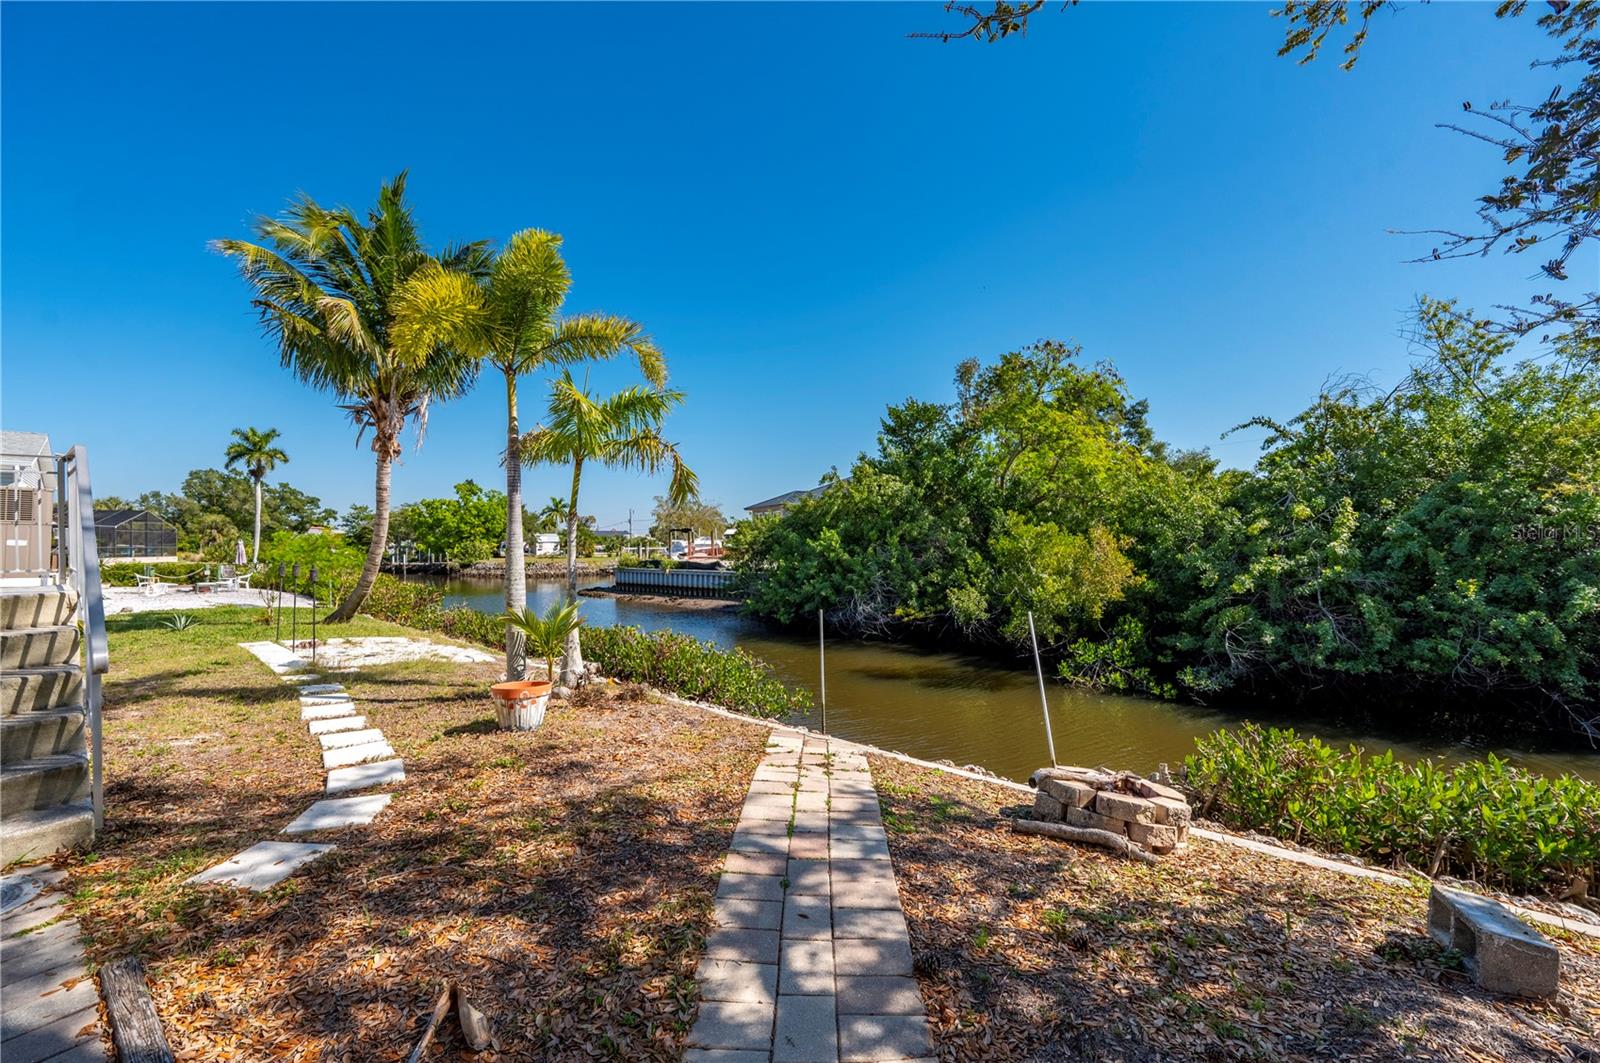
[
  {"x": 313, "y": 614},
  {"x": 277, "y": 629},
  {"x": 294, "y": 609},
  {"x": 1044, "y": 702},
  {"x": 822, "y": 671}
]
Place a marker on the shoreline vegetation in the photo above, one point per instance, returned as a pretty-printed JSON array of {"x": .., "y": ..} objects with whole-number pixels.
[
  {"x": 1428, "y": 555},
  {"x": 1486, "y": 822},
  {"x": 565, "y": 878}
]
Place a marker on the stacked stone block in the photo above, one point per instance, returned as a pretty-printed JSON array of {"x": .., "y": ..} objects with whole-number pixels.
[{"x": 1150, "y": 814}]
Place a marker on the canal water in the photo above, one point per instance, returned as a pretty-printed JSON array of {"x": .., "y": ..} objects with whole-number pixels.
[{"x": 969, "y": 710}]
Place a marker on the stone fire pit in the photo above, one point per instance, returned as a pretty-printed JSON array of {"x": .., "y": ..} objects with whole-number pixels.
[{"x": 1149, "y": 814}]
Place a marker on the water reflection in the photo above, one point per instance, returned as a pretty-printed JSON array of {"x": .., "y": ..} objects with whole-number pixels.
[{"x": 945, "y": 706}]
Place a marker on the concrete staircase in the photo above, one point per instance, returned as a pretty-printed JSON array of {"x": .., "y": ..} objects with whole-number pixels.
[{"x": 44, "y": 762}]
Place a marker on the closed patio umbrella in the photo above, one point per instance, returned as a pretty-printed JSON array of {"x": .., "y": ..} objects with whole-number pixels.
[{"x": 238, "y": 552}]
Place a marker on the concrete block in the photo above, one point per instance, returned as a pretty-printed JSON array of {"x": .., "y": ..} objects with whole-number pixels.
[
  {"x": 1046, "y": 808},
  {"x": 1174, "y": 812},
  {"x": 732, "y": 1024},
  {"x": 263, "y": 865},
  {"x": 1154, "y": 837},
  {"x": 1082, "y": 817},
  {"x": 1126, "y": 807},
  {"x": 731, "y": 980},
  {"x": 1069, "y": 792},
  {"x": 807, "y": 1030},
  {"x": 1503, "y": 954},
  {"x": 806, "y": 967}
]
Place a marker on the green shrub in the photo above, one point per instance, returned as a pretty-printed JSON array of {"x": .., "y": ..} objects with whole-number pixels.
[
  {"x": 695, "y": 669},
  {"x": 1483, "y": 820},
  {"x": 666, "y": 660},
  {"x": 124, "y": 573}
]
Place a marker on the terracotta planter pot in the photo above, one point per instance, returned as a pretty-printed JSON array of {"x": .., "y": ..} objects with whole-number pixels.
[{"x": 519, "y": 706}]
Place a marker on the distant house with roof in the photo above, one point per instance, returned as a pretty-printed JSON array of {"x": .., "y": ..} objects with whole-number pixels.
[
  {"x": 780, "y": 504},
  {"x": 27, "y": 502}
]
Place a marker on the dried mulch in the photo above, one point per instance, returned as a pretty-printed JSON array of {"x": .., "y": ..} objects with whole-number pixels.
[
  {"x": 563, "y": 878},
  {"x": 1028, "y": 948}
]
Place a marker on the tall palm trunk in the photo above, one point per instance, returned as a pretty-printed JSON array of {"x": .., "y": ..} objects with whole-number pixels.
[
  {"x": 255, "y": 546},
  {"x": 380, "y": 537},
  {"x": 572, "y": 663},
  {"x": 516, "y": 565}
]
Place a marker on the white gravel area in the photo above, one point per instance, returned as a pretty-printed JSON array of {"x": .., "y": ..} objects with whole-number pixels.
[
  {"x": 349, "y": 654},
  {"x": 181, "y": 600}
]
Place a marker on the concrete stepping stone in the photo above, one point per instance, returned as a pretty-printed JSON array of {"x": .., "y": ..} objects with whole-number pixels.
[
  {"x": 366, "y": 776},
  {"x": 343, "y": 756},
  {"x": 333, "y": 813},
  {"x": 263, "y": 865},
  {"x": 339, "y": 739},
  {"x": 732, "y": 980},
  {"x": 321, "y": 688},
  {"x": 329, "y": 724},
  {"x": 323, "y": 712},
  {"x": 326, "y": 699}
]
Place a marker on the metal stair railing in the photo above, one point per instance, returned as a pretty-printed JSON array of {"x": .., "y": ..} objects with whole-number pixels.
[{"x": 78, "y": 560}]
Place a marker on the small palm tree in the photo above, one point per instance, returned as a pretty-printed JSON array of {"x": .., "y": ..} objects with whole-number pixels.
[
  {"x": 253, "y": 449},
  {"x": 622, "y": 432},
  {"x": 524, "y": 331},
  {"x": 550, "y": 516},
  {"x": 546, "y": 635},
  {"x": 359, "y": 308}
]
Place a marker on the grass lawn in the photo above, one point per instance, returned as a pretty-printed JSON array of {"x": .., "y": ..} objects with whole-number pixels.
[{"x": 565, "y": 878}]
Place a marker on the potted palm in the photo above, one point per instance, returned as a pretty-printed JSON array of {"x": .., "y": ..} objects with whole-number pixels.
[{"x": 520, "y": 705}]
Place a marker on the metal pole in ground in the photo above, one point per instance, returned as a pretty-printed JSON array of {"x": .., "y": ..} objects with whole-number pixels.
[
  {"x": 313, "y": 614},
  {"x": 277, "y": 615},
  {"x": 1044, "y": 702},
  {"x": 294, "y": 607},
  {"x": 822, "y": 671}
]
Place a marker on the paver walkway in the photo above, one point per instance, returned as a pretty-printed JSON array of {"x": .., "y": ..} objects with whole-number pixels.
[
  {"x": 52, "y": 1006},
  {"x": 810, "y": 961},
  {"x": 355, "y": 756}
]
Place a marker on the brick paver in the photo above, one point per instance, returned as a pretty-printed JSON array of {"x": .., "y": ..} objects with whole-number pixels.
[{"x": 809, "y": 961}]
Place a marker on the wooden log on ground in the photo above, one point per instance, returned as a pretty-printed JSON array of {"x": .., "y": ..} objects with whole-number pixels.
[
  {"x": 1085, "y": 836},
  {"x": 441, "y": 1008},
  {"x": 135, "y": 1028}
]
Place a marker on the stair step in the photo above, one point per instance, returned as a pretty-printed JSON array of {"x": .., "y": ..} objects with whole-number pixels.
[
  {"x": 40, "y": 782},
  {"x": 40, "y": 832},
  {"x": 36, "y": 607},
  {"x": 31, "y": 689},
  {"x": 38, "y": 647},
  {"x": 40, "y": 734}
]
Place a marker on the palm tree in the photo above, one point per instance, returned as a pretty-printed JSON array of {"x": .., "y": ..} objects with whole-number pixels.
[
  {"x": 525, "y": 332},
  {"x": 253, "y": 449},
  {"x": 550, "y": 516},
  {"x": 621, "y": 432},
  {"x": 358, "y": 307}
]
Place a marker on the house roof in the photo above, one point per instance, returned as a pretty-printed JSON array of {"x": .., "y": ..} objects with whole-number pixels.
[
  {"x": 110, "y": 518},
  {"x": 788, "y": 498},
  {"x": 24, "y": 444}
]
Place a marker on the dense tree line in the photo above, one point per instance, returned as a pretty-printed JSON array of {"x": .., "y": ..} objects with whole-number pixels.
[
  {"x": 1433, "y": 550},
  {"x": 214, "y": 509}
]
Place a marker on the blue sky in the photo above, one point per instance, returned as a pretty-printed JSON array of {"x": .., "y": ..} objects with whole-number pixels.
[{"x": 813, "y": 214}]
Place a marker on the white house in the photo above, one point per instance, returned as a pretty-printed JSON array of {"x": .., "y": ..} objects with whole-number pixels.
[{"x": 546, "y": 544}]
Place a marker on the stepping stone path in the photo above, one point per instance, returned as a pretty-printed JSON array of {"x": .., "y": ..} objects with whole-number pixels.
[
  {"x": 356, "y": 757},
  {"x": 810, "y": 961}
]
